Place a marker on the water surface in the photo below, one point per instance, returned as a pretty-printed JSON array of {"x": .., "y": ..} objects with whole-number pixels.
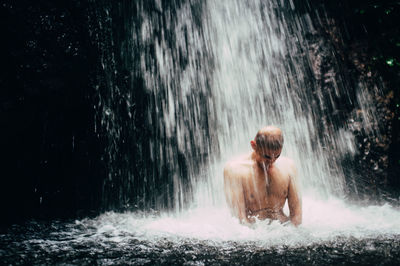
[{"x": 332, "y": 232}]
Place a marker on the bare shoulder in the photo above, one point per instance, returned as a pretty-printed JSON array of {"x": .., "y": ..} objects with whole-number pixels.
[
  {"x": 237, "y": 167},
  {"x": 287, "y": 165}
]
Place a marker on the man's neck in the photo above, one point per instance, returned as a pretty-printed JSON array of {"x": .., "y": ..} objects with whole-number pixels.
[{"x": 260, "y": 165}]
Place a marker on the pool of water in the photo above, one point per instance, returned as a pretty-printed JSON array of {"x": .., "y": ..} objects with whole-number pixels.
[{"x": 332, "y": 232}]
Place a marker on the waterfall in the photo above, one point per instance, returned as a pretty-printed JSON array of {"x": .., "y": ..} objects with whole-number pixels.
[
  {"x": 264, "y": 75},
  {"x": 209, "y": 75}
]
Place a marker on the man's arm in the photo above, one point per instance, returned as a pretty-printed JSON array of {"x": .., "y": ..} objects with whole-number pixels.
[
  {"x": 234, "y": 194},
  {"x": 294, "y": 199}
]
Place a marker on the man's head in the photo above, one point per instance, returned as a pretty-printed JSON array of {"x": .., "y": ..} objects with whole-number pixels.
[{"x": 267, "y": 144}]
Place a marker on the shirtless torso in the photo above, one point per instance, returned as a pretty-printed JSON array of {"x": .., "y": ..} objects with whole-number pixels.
[{"x": 256, "y": 187}]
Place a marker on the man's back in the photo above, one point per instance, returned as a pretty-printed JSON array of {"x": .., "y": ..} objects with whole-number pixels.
[
  {"x": 264, "y": 191},
  {"x": 258, "y": 184}
]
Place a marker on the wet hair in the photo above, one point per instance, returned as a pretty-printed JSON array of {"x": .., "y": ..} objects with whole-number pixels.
[{"x": 270, "y": 138}]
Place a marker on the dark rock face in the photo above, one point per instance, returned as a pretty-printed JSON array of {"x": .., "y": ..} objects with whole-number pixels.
[
  {"x": 364, "y": 38},
  {"x": 49, "y": 152}
]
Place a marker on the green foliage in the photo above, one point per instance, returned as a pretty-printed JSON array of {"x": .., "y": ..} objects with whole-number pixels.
[
  {"x": 390, "y": 62},
  {"x": 379, "y": 20}
]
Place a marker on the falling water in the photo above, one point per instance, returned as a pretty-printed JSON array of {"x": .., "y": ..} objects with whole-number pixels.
[
  {"x": 213, "y": 73},
  {"x": 216, "y": 81}
]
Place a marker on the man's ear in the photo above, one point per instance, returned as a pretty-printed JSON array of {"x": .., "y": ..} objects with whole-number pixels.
[{"x": 253, "y": 144}]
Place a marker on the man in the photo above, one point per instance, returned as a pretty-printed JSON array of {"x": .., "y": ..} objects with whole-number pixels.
[{"x": 258, "y": 184}]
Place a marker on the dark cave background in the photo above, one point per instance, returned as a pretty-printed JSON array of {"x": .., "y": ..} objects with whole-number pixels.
[{"x": 52, "y": 144}]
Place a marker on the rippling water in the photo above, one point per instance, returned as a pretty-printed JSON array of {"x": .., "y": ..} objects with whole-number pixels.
[{"x": 333, "y": 232}]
